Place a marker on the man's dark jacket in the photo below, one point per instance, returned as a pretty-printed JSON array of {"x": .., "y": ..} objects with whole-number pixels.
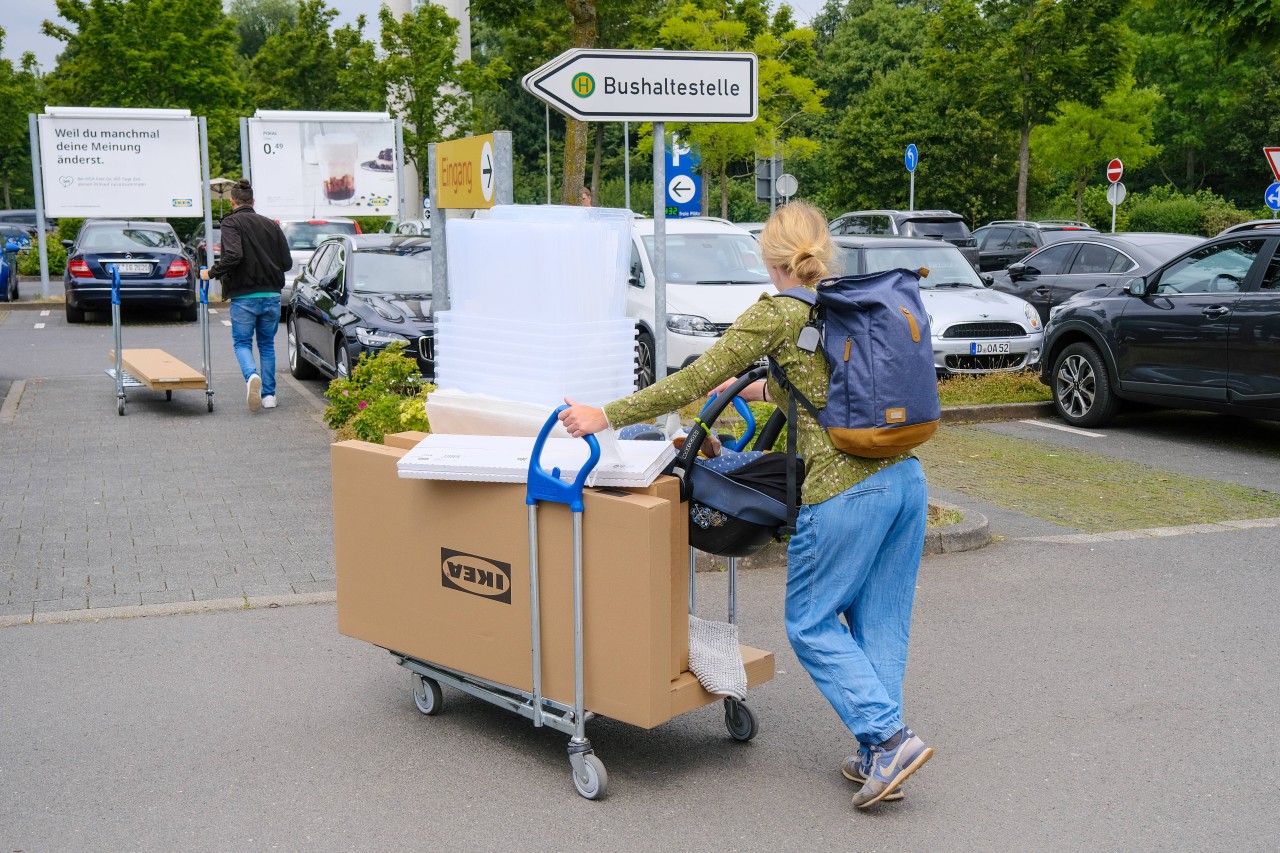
[{"x": 254, "y": 255}]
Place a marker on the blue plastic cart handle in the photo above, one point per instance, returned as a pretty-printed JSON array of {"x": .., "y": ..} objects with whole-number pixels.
[
  {"x": 115, "y": 285},
  {"x": 549, "y": 487},
  {"x": 744, "y": 410},
  {"x": 204, "y": 288}
]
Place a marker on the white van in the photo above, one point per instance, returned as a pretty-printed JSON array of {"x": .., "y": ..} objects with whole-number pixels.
[{"x": 714, "y": 272}]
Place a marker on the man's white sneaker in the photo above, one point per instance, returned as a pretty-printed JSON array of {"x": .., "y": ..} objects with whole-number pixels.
[
  {"x": 253, "y": 393},
  {"x": 269, "y": 401}
]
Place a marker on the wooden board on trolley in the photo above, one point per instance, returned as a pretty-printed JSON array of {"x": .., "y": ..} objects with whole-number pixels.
[{"x": 159, "y": 370}]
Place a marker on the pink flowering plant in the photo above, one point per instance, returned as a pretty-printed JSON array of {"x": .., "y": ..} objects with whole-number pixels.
[{"x": 384, "y": 394}]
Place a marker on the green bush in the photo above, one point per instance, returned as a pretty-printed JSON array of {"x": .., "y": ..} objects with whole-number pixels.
[
  {"x": 29, "y": 259},
  {"x": 69, "y": 227},
  {"x": 1175, "y": 215},
  {"x": 371, "y": 224},
  {"x": 384, "y": 394}
]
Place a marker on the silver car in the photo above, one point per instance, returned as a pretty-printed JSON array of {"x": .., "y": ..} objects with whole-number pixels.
[{"x": 975, "y": 329}]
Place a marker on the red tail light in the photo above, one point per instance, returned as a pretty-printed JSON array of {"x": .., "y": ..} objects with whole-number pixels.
[
  {"x": 178, "y": 269},
  {"x": 317, "y": 222},
  {"x": 79, "y": 269}
]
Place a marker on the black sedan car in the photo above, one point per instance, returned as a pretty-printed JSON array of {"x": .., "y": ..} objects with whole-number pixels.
[
  {"x": 1057, "y": 272},
  {"x": 1200, "y": 332},
  {"x": 359, "y": 293},
  {"x": 1007, "y": 241},
  {"x": 153, "y": 269}
]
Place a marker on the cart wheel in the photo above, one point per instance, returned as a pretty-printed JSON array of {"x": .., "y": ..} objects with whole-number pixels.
[
  {"x": 210, "y": 401},
  {"x": 739, "y": 720},
  {"x": 168, "y": 395},
  {"x": 426, "y": 695},
  {"x": 594, "y": 778},
  {"x": 120, "y": 405}
]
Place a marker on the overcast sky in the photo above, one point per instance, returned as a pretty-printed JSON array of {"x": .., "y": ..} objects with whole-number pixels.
[{"x": 21, "y": 22}]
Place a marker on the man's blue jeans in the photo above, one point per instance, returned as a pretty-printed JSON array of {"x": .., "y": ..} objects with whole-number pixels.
[
  {"x": 856, "y": 556},
  {"x": 258, "y": 315}
]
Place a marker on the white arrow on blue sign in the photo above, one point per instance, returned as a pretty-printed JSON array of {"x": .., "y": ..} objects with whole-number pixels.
[
  {"x": 1272, "y": 196},
  {"x": 911, "y": 158}
]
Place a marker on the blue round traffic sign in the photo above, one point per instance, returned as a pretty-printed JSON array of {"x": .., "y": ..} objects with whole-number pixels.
[
  {"x": 911, "y": 158},
  {"x": 1272, "y": 196}
]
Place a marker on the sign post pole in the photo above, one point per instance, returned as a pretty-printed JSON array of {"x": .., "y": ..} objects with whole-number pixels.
[
  {"x": 208, "y": 198},
  {"x": 41, "y": 225},
  {"x": 910, "y": 159},
  {"x": 626, "y": 164},
  {"x": 659, "y": 250}
]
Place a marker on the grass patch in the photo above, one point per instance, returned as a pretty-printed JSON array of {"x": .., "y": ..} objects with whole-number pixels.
[
  {"x": 939, "y": 517},
  {"x": 981, "y": 389},
  {"x": 1085, "y": 491}
]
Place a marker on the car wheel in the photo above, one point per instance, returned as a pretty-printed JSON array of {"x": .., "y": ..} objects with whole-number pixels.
[
  {"x": 74, "y": 315},
  {"x": 188, "y": 313},
  {"x": 342, "y": 358},
  {"x": 1082, "y": 392},
  {"x": 299, "y": 367},
  {"x": 644, "y": 361},
  {"x": 13, "y": 289}
]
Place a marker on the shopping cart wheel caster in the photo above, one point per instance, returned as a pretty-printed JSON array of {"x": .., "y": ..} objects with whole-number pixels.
[
  {"x": 592, "y": 779},
  {"x": 210, "y": 400},
  {"x": 168, "y": 395},
  {"x": 739, "y": 720},
  {"x": 427, "y": 696},
  {"x": 120, "y": 406}
]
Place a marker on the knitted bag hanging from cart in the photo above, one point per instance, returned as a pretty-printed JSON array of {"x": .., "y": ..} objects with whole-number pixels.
[{"x": 882, "y": 398}]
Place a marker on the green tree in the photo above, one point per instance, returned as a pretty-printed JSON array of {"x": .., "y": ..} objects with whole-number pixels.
[
  {"x": 1081, "y": 139},
  {"x": 258, "y": 20},
  {"x": 784, "y": 94},
  {"x": 20, "y": 92},
  {"x": 297, "y": 67},
  {"x": 152, "y": 54},
  {"x": 1243, "y": 23},
  {"x": 1019, "y": 59}
]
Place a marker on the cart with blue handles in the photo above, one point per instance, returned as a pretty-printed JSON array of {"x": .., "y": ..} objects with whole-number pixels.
[
  {"x": 156, "y": 369},
  {"x": 588, "y": 771}
]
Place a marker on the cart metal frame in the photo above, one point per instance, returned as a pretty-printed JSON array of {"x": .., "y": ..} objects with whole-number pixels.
[{"x": 125, "y": 380}]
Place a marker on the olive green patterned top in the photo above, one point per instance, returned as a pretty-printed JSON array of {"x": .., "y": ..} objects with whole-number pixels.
[{"x": 769, "y": 327}]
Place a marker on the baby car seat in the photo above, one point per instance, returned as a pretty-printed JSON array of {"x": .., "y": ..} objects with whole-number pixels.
[{"x": 737, "y": 501}]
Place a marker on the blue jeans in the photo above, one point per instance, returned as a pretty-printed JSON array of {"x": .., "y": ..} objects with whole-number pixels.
[
  {"x": 258, "y": 315},
  {"x": 856, "y": 556}
]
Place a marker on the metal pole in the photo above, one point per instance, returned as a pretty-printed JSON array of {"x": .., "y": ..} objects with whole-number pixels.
[
  {"x": 41, "y": 225},
  {"x": 535, "y": 616},
  {"x": 203, "y": 309},
  {"x": 245, "y": 171},
  {"x": 693, "y": 574},
  {"x": 503, "y": 159},
  {"x": 579, "y": 702},
  {"x": 439, "y": 253},
  {"x": 400, "y": 168},
  {"x": 1113, "y": 216},
  {"x": 626, "y": 164},
  {"x": 659, "y": 250},
  {"x": 733, "y": 590},
  {"x": 547, "y": 108},
  {"x": 911, "y": 205}
]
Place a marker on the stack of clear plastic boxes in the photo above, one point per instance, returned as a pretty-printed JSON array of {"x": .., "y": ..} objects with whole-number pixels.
[{"x": 538, "y": 306}]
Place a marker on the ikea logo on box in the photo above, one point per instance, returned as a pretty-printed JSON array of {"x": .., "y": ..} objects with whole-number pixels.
[
  {"x": 475, "y": 575},
  {"x": 182, "y": 202}
]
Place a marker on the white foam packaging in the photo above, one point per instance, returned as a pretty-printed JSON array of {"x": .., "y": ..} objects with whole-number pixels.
[{"x": 505, "y": 459}]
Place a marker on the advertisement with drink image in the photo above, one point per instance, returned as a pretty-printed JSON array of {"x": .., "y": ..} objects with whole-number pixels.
[{"x": 323, "y": 164}]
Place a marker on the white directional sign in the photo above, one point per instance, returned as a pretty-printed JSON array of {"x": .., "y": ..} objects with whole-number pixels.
[
  {"x": 1273, "y": 160},
  {"x": 681, "y": 188},
  {"x": 1116, "y": 193},
  {"x": 649, "y": 85}
]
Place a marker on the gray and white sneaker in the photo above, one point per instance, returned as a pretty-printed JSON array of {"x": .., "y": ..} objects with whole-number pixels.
[
  {"x": 269, "y": 401},
  {"x": 890, "y": 767},
  {"x": 253, "y": 393},
  {"x": 857, "y": 768}
]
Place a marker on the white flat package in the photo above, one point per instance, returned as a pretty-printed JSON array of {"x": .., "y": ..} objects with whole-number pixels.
[{"x": 505, "y": 459}]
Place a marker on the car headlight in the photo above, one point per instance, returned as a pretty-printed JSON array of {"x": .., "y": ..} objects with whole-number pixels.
[
  {"x": 691, "y": 324},
  {"x": 377, "y": 337},
  {"x": 1033, "y": 316}
]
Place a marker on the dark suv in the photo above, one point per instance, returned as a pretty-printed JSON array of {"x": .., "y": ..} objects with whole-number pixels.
[
  {"x": 937, "y": 224},
  {"x": 1007, "y": 241},
  {"x": 1201, "y": 331}
]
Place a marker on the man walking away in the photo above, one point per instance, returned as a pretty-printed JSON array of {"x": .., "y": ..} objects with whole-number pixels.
[{"x": 254, "y": 258}]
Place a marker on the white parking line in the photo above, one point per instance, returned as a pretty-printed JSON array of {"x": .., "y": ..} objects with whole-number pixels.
[
  {"x": 226, "y": 322},
  {"x": 1048, "y": 425},
  {"x": 213, "y": 310},
  {"x": 44, "y": 313},
  {"x": 39, "y": 325}
]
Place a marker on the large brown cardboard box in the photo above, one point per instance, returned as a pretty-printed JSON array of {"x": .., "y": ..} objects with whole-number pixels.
[{"x": 438, "y": 570}]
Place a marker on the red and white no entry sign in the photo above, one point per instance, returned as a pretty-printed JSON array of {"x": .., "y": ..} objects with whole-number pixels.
[{"x": 1115, "y": 169}]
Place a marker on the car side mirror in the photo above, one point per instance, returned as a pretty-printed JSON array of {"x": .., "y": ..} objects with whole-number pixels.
[
  {"x": 634, "y": 280},
  {"x": 987, "y": 279},
  {"x": 1136, "y": 287},
  {"x": 1017, "y": 271},
  {"x": 67, "y": 244}
]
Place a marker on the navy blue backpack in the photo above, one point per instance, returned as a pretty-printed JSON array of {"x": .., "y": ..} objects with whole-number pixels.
[{"x": 882, "y": 398}]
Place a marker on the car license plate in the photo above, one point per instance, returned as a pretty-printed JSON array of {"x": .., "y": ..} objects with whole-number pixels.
[
  {"x": 133, "y": 267},
  {"x": 995, "y": 348}
]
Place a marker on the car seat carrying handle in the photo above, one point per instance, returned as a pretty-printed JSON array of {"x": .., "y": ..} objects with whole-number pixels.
[
  {"x": 115, "y": 285},
  {"x": 747, "y": 415},
  {"x": 688, "y": 454},
  {"x": 549, "y": 487}
]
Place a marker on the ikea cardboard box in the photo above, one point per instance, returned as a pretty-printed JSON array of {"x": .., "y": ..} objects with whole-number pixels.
[{"x": 439, "y": 570}]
